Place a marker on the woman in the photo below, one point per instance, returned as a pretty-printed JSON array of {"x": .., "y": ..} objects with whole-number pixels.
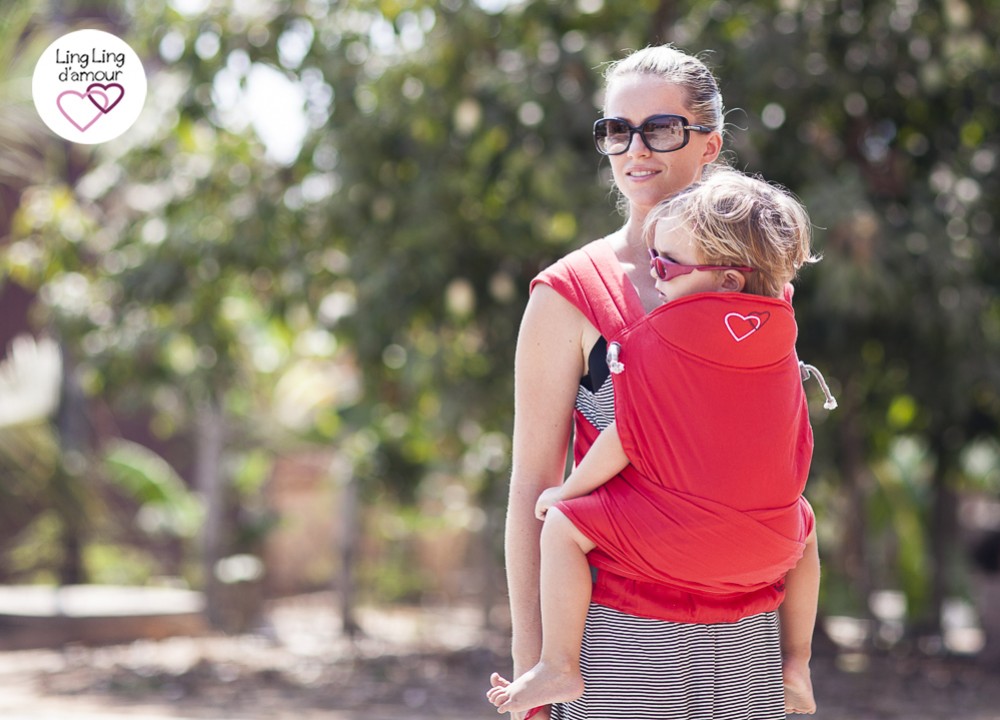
[{"x": 710, "y": 657}]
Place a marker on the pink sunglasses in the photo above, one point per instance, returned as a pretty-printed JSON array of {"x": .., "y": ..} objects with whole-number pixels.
[{"x": 668, "y": 269}]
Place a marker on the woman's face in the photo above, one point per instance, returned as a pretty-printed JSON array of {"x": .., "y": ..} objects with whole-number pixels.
[{"x": 645, "y": 177}]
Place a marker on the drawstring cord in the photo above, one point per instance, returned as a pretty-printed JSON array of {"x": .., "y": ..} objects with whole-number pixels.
[{"x": 810, "y": 371}]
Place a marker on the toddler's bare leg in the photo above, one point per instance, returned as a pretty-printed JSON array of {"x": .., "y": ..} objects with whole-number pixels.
[
  {"x": 798, "y": 620},
  {"x": 565, "y": 598}
]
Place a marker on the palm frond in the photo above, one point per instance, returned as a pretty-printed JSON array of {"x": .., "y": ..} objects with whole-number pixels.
[
  {"x": 30, "y": 378},
  {"x": 22, "y": 132}
]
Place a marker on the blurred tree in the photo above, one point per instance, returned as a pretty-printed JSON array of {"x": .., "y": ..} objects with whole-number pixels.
[
  {"x": 158, "y": 278},
  {"x": 863, "y": 109},
  {"x": 27, "y": 159},
  {"x": 323, "y": 226}
]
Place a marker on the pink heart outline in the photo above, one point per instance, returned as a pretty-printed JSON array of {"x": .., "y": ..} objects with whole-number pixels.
[
  {"x": 90, "y": 96},
  {"x": 107, "y": 107},
  {"x": 754, "y": 320},
  {"x": 82, "y": 96}
]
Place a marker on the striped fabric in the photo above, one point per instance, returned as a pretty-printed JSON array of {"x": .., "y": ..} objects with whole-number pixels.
[
  {"x": 599, "y": 407},
  {"x": 641, "y": 669}
]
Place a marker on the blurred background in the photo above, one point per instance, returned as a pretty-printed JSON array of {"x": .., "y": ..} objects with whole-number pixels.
[{"x": 256, "y": 376}]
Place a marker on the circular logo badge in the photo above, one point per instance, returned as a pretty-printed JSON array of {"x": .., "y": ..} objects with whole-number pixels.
[{"x": 89, "y": 86}]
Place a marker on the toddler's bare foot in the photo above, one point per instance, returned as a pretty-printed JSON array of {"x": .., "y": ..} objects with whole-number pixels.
[
  {"x": 799, "y": 698},
  {"x": 498, "y": 684},
  {"x": 541, "y": 685}
]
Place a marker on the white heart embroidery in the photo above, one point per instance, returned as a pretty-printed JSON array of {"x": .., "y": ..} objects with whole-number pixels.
[{"x": 742, "y": 326}]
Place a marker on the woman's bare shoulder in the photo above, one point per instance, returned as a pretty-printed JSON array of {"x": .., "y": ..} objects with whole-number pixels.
[{"x": 549, "y": 313}]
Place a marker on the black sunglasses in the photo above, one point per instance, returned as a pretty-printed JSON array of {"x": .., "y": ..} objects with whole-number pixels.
[{"x": 661, "y": 133}]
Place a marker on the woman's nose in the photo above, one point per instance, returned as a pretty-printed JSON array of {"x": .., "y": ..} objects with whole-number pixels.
[{"x": 637, "y": 145}]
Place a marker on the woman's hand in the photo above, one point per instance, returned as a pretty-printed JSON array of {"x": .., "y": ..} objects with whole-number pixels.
[{"x": 548, "y": 498}]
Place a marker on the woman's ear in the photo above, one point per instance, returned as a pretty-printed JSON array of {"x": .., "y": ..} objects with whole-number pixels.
[
  {"x": 733, "y": 281},
  {"x": 713, "y": 147}
]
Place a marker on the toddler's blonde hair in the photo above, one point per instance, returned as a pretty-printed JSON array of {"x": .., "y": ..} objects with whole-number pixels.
[{"x": 738, "y": 219}]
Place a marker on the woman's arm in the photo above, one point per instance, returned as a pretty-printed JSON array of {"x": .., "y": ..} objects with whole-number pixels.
[
  {"x": 605, "y": 459},
  {"x": 548, "y": 365}
]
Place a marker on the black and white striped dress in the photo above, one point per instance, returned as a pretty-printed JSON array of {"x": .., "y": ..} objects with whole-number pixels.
[{"x": 642, "y": 669}]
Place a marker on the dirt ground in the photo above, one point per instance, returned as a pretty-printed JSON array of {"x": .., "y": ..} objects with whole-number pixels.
[{"x": 411, "y": 664}]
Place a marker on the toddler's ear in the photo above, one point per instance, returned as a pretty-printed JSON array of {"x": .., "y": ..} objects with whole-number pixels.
[{"x": 733, "y": 281}]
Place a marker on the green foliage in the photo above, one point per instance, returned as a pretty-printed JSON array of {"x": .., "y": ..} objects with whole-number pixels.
[
  {"x": 981, "y": 466},
  {"x": 361, "y": 283},
  {"x": 21, "y": 42},
  {"x": 119, "y": 564},
  {"x": 165, "y": 505},
  {"x": 899, "y": 513}
]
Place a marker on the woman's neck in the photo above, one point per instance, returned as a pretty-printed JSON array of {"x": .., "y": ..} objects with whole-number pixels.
[
  {"x": 633, "y": 254},
  {"x": 638, "y": 248}
]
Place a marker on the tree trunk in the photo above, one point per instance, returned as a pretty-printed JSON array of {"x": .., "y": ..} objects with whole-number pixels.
[
  {"x": 67, "y": 491},
  {"x": 943, "y": 529},
  {"x": 350, "y": 532},
  {"x": 209, "y": 444},
  {"x": 663, "y": 20},
  {"x": 492, "y": 587},
  {"x": 855, "y": 529}
]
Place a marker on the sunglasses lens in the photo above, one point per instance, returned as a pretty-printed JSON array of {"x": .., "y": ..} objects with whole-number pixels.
[
  {"x": 611, "y": 136},
  {"x": 668, "y": 270},
  {"x": 664, "y": 133}
]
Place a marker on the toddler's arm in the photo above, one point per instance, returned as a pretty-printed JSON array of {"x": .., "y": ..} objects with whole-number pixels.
[{"x": 605, "y": 459}]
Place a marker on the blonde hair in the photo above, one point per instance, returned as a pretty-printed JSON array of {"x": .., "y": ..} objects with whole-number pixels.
[
  {"x": 701, "y": 90},
  {"x": 738, "y": 219}
]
